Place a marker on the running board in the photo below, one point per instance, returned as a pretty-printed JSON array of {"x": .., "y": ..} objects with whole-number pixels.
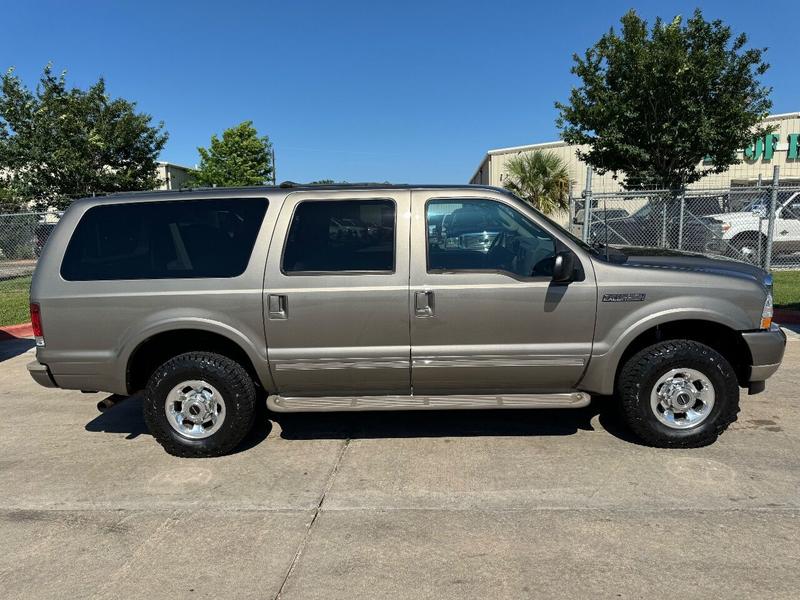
[{"x": 364, "y": 403}]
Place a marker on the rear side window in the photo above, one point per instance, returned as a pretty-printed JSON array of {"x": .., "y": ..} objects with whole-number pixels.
[
  {"x": 331, "y": 236},
  {"x": 164, "y": 240}
]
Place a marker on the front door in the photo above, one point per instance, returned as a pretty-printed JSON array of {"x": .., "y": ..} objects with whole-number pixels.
[
  {"x": 486, "y": 317},
  {"x": 336, "y": 294}
]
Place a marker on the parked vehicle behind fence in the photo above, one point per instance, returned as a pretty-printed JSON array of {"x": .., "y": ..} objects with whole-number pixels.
[
  {"x": 659, "y": 223},
  {"x": 348, "y": 298},
  {"x": 745, "y": 231}
]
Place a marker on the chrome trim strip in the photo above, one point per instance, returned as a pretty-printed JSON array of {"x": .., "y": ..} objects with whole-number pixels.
[
  {"x": 331, "y": 364},
  {"x": 493, "y": 360},
  {"x": 422, "y": 362}
]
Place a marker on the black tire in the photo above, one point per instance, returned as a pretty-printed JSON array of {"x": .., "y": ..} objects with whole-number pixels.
[
  {"x": 641, "y": 373},
  {"x": 745, "y": 247},
  {"x": 228, "y": 377}
]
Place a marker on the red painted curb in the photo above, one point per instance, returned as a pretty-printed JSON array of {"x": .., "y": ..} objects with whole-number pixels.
[
  {"x": 790, "y": 317},
  {"x": 15, "y": 332}
]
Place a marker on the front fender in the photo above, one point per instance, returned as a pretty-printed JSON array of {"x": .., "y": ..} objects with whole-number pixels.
[{"x": 607, "y": 351}]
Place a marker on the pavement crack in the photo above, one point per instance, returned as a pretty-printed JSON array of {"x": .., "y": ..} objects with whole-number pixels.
[{"x": 307, "y": 537}]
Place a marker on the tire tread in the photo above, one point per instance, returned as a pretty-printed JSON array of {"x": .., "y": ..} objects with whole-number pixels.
[
  {"x": 661, "y": 354},
  {"x": 239, "y": 405}
]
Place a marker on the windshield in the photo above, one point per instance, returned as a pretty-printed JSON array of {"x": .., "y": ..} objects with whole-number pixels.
[{"x": 755, "y": 205}]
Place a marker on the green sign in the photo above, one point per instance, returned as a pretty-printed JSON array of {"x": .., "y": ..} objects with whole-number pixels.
[
  {"x": 794, "y": 146},
  {"x": 764, "y": 148}
]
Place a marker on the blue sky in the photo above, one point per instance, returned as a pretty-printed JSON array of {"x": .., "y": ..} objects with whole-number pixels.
[{"x": 358, "y": 91}]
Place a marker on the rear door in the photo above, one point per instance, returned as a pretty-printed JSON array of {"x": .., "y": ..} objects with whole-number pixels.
[
  {"x": 486, "y": 316},
  {"x": 336, "y": 294}
]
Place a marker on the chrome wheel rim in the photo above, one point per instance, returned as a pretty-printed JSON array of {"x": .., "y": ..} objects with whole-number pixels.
[
  {"x": 682, "y": 398},
  {"x": 195, "y": 409}
]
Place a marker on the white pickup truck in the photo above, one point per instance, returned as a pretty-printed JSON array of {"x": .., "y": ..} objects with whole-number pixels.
[{"x": 746, "y": 232}]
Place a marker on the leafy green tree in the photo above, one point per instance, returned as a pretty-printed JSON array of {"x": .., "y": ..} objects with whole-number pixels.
[
  {"x": 7, "y": 201},
  {"x": 59, "y": 143},
  {"x": 653, "y": 104},
  {"x": 240, "y": 158},
  {"x": 540, "y": 178}
]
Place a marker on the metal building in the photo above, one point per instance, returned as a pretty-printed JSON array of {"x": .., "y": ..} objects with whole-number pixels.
[{"x": 782, "y": 147}]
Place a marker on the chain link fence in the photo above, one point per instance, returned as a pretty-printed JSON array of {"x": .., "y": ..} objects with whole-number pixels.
[
  {"x": 22, "y": 238},
  {"x": 758, "y": 224}
]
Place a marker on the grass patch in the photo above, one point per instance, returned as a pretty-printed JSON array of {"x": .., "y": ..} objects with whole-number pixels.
[
  {"x": 787, "y": 289},
  {"x": 14, "y": 301}
]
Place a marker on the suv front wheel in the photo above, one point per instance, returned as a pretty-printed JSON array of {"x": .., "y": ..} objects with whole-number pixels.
[
  {"x": 199, "y": 404},
  {"x": 678, "y": 394}
]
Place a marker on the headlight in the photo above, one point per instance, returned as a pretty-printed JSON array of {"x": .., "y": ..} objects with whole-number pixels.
[
  {"x": 766, "y": 312},
  {"x": 725, "y": 227}
]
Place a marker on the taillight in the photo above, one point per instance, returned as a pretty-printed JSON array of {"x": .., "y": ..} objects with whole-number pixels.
[{"x": 36, "y": 323}]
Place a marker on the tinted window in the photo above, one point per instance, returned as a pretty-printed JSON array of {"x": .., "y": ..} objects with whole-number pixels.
[
  {"x": 486, "y": 235},
  {"x": 164, "y": 240},
  {"x": 341, "y": 235}
]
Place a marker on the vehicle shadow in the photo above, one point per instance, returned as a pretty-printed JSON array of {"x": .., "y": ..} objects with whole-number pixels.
[
  {"x": 452, "y": 423},
  {"x": 125, "y": 417},
  {"x": 11, "y": 346}
]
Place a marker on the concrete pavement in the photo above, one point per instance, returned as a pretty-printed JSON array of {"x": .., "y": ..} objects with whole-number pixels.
[{"x": 502, "y": 504}]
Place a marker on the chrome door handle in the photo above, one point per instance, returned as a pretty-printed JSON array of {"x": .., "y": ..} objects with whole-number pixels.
[
  {"x": 277, "y": 306},
  {"x": 423, "y": 303}
]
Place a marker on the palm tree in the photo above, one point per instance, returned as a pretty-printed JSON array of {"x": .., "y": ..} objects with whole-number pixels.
[{"x": 540, "y": 178}]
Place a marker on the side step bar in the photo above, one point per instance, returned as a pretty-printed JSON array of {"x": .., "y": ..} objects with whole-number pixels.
[{"x": 363, "y": 403}]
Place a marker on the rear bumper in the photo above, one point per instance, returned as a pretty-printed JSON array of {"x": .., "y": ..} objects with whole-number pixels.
[
  {"x": 766, "y": 349},
  {"x": 41, "y": 374}
]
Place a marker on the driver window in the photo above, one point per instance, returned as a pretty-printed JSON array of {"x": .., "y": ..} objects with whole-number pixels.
[{"x": 485, "y": 235}]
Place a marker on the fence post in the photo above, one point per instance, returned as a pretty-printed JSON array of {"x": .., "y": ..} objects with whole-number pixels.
[
  {"x": 771, "y": 223},
  {"x": 664, "y": 226},
  {"x": 571, "y": 200},
  {"x": 587, "y": 204},
  {"x": 680, "y": 224},
  {"x": 760, "y": 243}
]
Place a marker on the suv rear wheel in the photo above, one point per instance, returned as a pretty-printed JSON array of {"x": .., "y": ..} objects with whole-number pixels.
[
  {"x": 199, "y": 404},
  {"x": 678, "y": 394}
]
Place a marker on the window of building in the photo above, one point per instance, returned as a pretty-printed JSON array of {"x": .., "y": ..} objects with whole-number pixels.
[
  {"x": 481, "y": 235},
  {"x": 330, "y": 236},
  {"x": 164, "y": 240}
]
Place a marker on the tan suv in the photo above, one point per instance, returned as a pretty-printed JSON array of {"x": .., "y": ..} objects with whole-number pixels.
[{"x": 335, "y": 298}]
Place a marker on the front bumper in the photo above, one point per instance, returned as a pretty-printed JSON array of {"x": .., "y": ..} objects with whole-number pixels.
[
  {"x": 41, "y": 374},
  {"x": 766, "y": 349}
]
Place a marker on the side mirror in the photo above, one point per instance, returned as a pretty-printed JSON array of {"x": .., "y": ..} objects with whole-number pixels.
[{"x": 564, "y": 267}]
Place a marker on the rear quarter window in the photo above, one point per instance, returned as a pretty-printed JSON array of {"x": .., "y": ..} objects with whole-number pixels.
[{"x": 164, "y": 240}]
